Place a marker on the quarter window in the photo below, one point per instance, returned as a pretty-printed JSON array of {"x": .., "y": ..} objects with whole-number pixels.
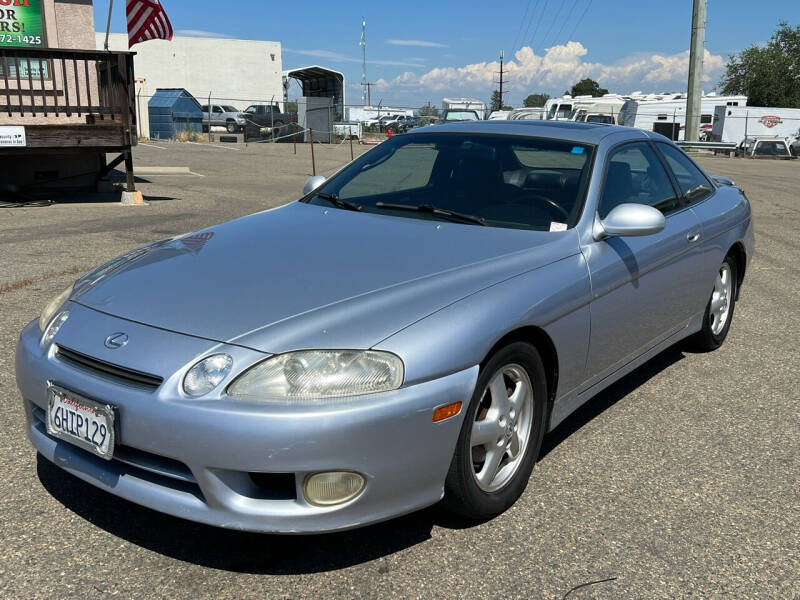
[
  {"x": 693, "y": 184},
  {"x": 635, "y": 175}
]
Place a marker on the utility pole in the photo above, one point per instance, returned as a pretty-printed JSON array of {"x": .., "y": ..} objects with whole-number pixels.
[
  {"x": 363, "y": 44},
  {"x": 367, "y": 95},
  {"x": 502, "y": 56},
  {"x": 501, "y": 80},
  {"x": 695, "y": 92}
]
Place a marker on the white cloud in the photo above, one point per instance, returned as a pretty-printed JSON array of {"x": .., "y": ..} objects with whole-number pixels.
[
  {"x": 420, "y": 43},
  {"x": 339, "y": 57},
  {"x": 559, "y": 68},
  {"x": 202, "y": 33}
]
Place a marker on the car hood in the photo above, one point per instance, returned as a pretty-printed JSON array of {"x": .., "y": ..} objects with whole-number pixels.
[{"x": 306, "y": 276}]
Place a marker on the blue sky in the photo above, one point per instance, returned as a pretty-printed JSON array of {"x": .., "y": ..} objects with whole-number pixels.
[{"x": 421, "y": 52}]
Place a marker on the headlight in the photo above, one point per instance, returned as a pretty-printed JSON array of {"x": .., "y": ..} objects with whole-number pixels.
[
  {"x": 207, "y": 374},
  {"x": 320, "y": 374},
  {"x": 51, "y": 308},
  {"x": 54, "y": 326}
]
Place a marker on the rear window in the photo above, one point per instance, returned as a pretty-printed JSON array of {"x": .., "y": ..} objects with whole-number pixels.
[{"x": 466, "y": 115}]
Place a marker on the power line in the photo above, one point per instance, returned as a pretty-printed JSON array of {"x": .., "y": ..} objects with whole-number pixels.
[
  {"x": 569, "y": 14},
  {"x": 553, "y": 22},
  {"x": 580, "y": 20},
  {"x": 536, "y": 29},
  {"x": 521, "y": 25}
]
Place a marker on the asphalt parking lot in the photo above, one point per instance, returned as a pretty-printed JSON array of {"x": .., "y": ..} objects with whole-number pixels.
[{"x": 682, "y": 480}]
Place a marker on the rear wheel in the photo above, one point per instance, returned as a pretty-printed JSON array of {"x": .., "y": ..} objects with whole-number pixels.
[
  {"x": 719, "y": 311},
  {"x": 501, "y": 435}
]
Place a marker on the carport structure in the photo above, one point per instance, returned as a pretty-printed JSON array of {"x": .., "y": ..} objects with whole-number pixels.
[{"x": 318, "y": 82}]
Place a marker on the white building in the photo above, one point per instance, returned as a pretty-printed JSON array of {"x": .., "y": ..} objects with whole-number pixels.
[{"x": 235, "y": 72}]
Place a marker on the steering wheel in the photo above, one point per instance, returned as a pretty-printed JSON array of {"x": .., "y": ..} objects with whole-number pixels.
[{"x": 552, "y": 205}]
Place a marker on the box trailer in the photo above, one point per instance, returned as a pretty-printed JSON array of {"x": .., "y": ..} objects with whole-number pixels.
[
  {"x": 735, "y": 123},
  {"x": 667, "y": 115},
  {"x": 463, "y": 109}
]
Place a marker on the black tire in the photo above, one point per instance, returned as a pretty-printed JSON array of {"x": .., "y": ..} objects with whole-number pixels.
[
  {"x": 463, "y": 495},
  {"x": 706, "y": 339},
  {"x": 232, "y": 127}
]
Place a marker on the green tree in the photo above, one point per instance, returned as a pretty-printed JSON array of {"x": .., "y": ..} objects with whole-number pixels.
[
  {"x": 587, "y": 87},
  {"x": 768, "y": 75},
  {"x": 496, "y": 103},
  {"x": 428, "y": 111},
  {"x": 536, "y": 100}
]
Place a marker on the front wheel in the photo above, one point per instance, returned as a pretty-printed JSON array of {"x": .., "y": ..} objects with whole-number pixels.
[
  {"x": 501, "y": 435},
  {"x": 232, "y": 127},
  {"x": 719, "y": 310}
]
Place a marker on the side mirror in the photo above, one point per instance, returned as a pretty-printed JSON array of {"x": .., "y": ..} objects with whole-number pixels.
[
  {"x": 312, "y": 183},
  {"x": 630, "y": 219}
]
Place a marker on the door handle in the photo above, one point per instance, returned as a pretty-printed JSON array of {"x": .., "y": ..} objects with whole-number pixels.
[{"x": 693, "y": 237}]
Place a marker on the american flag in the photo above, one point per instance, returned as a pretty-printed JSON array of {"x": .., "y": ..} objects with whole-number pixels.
[{"x": 147, "y": 21}]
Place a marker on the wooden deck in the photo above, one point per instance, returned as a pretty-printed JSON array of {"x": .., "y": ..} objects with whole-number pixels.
[{"x": 68, "y": 99}]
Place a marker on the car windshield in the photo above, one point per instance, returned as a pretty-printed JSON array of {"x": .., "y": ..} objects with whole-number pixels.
[
  {"x": 461, "y": 115},
  {"x": 506, "y": 181}
]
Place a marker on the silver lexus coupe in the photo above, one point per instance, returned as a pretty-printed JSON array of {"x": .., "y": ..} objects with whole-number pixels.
[{"x": 405, "y": 333}]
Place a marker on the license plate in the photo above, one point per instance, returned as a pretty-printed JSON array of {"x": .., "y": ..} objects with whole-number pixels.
[{"x": 80, "y": 421}]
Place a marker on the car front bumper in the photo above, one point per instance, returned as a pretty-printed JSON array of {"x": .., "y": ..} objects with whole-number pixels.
[{"x": 193, "y": 459}]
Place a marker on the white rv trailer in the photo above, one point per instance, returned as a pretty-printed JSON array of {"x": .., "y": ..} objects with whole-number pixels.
[
  {"x": 566, "y": 107},
  {"x": 735, "y": 123},
  {"x": 666, "y": 113},
  {"x": 528, "y": 113}
]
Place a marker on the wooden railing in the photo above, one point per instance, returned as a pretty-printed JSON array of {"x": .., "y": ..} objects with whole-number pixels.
[{"x": 85, "y": 85}]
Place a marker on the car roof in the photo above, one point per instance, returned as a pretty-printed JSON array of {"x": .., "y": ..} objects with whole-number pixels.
[{"x": 589, "y": 133}]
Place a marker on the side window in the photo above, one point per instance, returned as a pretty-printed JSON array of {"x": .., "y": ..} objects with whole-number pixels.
[
  {"x": 635, "y": 174},
  {"x": 217, "y": 109},
  {"x": 693, "y": 184}
]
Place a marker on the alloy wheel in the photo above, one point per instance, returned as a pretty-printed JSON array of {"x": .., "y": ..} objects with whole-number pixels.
[
  {"x": 721, "y": 299},
  {"x": 502, "y": 427}
]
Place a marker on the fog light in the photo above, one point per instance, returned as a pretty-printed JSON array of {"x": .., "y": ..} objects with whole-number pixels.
[{"x": 333, "y": 487}]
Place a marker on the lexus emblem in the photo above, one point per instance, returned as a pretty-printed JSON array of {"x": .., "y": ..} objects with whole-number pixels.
[{"x": 116, "y": 340}]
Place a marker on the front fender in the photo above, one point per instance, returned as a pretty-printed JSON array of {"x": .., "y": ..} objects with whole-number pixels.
[{"x": 554, "y": 298}]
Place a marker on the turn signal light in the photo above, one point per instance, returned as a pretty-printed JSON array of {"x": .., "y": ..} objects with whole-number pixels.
[{"x": 446, "y": 411}]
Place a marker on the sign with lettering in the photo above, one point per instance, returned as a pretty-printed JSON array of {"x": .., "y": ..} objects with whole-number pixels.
[
  {"x": 12, "y": 135},
  {"x": 22, "y": 24}
]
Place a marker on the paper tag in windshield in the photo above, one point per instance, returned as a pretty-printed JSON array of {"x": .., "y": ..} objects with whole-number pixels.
[{"x": 556, "y": 226}]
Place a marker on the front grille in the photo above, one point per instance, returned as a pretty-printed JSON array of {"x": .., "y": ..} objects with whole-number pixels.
[
  {"x": 132, "y": 462},
  {"x": 109, "y": 370}
]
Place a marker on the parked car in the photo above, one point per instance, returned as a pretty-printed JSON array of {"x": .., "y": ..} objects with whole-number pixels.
[
  {"x": 225, "y": 116},
  {"x": 794, "y": 143},
  {"x": 456, "y": 293},
  {"x": 411, "y": 122},
  {"x": 260, "y": 116},
  {"x": 764, "y": 147},
  {"x": 397, "y": 124}
]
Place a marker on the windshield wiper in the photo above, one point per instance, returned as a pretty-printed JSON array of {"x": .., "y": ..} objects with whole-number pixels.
[
  {"x": 431, "y": 209},
  {"x": 336, "y": 201}
]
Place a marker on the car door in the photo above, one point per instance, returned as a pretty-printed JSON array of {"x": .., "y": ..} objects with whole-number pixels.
[
  {"x": 715, "y": 208},
  {"x": 642, "y": 287},
  {"x": 216, "y": 117}
]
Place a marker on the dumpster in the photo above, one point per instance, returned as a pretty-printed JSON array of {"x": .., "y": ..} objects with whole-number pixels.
[{"x": 173, "y": 111}]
